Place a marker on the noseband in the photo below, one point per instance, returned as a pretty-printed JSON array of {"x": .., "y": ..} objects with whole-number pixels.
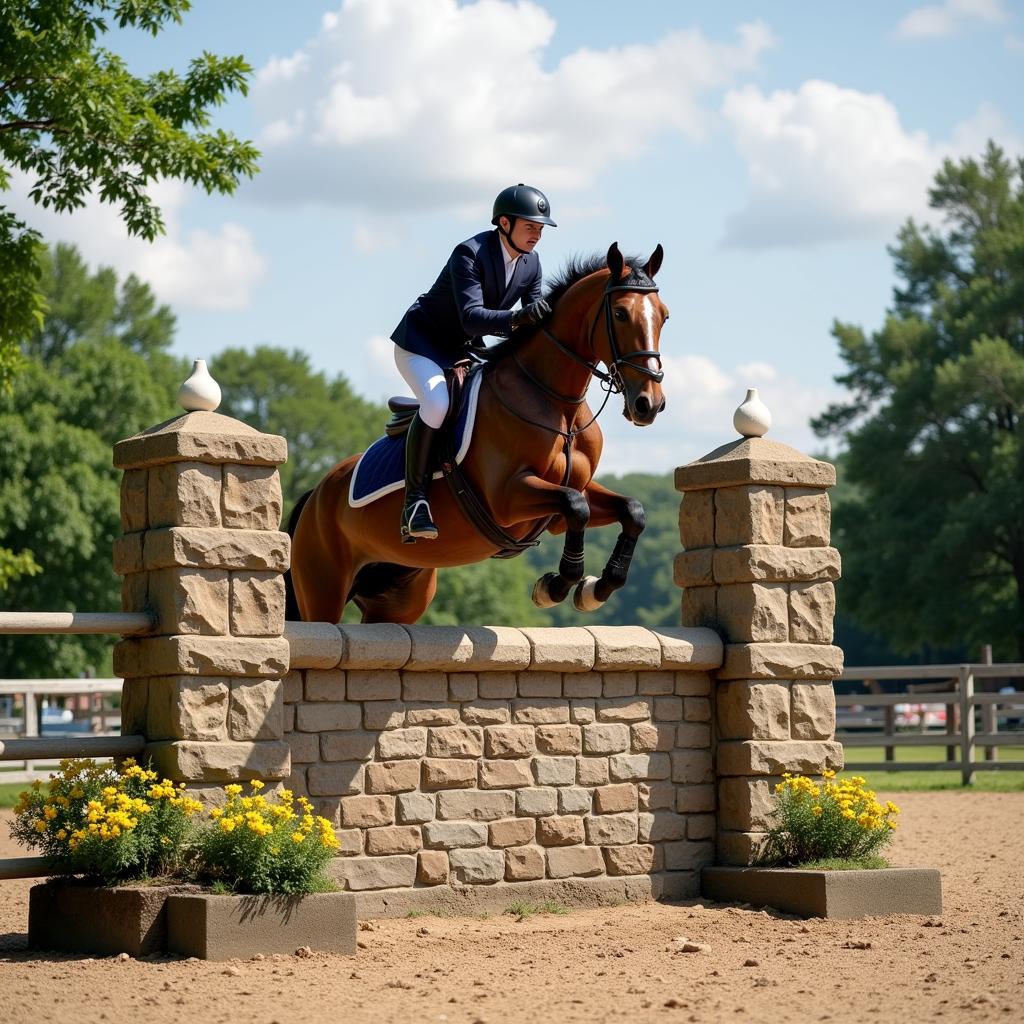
[{"x": 637, "y": 281}]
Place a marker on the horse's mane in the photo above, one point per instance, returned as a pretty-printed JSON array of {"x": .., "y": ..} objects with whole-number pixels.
[{"x": 575, "y": 269}]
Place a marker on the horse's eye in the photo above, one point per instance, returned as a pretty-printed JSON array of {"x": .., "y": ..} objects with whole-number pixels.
[{"x": 620, "y": 313}]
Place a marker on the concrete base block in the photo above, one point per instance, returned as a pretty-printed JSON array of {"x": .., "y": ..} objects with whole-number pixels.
[
  {"x": 223, "y": 927},
  {"x": 459, "y": 901},
  {"x": 835, "y": 894}
]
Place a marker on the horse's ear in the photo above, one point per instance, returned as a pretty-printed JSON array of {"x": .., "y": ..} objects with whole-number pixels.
[
  {"x": 653, "y": 265},
  {"x": 615, "y": 262}
]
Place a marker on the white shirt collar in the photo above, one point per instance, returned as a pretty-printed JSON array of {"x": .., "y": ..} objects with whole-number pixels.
[{"x": 510, "y": 262}]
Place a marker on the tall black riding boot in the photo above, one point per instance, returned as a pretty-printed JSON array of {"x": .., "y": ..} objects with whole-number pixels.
[{"x": 416, "y": 521}]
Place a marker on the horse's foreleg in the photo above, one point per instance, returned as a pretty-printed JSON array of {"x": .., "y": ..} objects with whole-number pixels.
[
  {"x": 530, "y": 497},
  {"x": 607, "y": 507}
]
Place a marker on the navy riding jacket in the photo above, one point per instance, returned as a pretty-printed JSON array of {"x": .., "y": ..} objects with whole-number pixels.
[{"x": 468, "y": 300}]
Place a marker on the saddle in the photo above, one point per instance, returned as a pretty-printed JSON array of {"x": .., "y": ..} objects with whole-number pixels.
[{"x": 404, "y": 409}]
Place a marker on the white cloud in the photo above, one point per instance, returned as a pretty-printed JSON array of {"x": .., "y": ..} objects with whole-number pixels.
[
  {"x": 946, "y": 18},
  {"x": 375, "y": 375},
  {"x": 196, "y": 269},
  {"x": 826, "y": 162},
  {"x": 432, "y": 103}
]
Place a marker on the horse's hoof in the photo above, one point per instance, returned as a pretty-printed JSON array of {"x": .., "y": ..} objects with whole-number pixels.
[
  {"x": 541, "y": 595},
  {"x": 584, "y": 599}
]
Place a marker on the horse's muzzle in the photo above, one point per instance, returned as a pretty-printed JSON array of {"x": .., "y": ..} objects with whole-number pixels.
[{"x": 642, "y": 411}]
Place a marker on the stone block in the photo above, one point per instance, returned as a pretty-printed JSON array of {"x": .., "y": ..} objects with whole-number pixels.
[
  {"x": 414, "y": 808},
  {"x": 445, "y": 773},
  {"x": 690, "y": 735},
  {"x": 691, "y": 766},
  {"x": 462, "y": 686},
  {"x": 373, "y": 684},
  {"x": 210, "y": 548},
  {"x": 750, "y": 514},
  {"x": 135, "y": 706},
  {"x": 583, "y": 712},
  {"x": 699, "y": 607},
  {"x": 424, "y": 686},
  {"x": 606, "y": 738},
  {"x": 749, "y": 612},
  {"x": 361, "y": 873},
  {"x": 193, "y": 761},
  {"x": 697, "y": 519},
  {"x": 257, "y": 603},
  {"x": 655, "y": 683},
  {"x": 615, "y": 799},
  {"x": 692, "y": 684},
  {"x": 574, "y": 861},
  {"x": 745, "y": 803},
  {"x": 583, "y": 684},
  {"x": 467, "y": 648},
  {"x": 554, "y": 771},
  {"x": 509, "y": 741},
  {"x": 625, "y": 647},
  {"x": 559, "y": 739},
  {"x": 560, "y": 648},
  {"x": 539, "y": 684},
  {"x": 185, "y": 708},
  {"x": 342, "y": 779},
  {"x": 135, "y": 592},
  {"x": 455, "y": 741},
  {"x": 524, "y": 864},
  {"x": 314, "y": 645},
  {"x": 188, "y": 601},
  {"x": 134, "y": 486},
  {"x": 367, "y": 811},
  {"x": 379, "y": 715},
  {"x": 668, "y": 709},
  {"x": 305, "y": 747},
  {"x": 612, "y": 829},
  {"x": 328, "y": 716},
  {"x": 689, "y": 855},
  {"x": 347, "y": 746},
  {"x": 401, "y": 743},
  {"x": 753, "y": 709},
  {"x": 559, "y": 831},
  {"x": 375, "y": 645},
  {"x": 486, "y": 712},
  {"x": 506, "y": 774},
  {"x": 808, "y": 518},
  {"x": 813, "y": 715},
  {"x": 625, "y": 709},
  {"x": 754, "y": 460},
  {"x": 654, "y": 796},
  {"x": 812, "y": 610},
  {"x": 392, "y": 776},
  {"x": 427, "y": 714},
  {"x": 293, "y": 687},
  {"x": 496, "y": 685},
  {"x": 536, "y": 803},
  {"x": 451, "y": 835},
  {"x": 755, "y": 563},
  {"x": 781, "y": 661},
  {"x": 477, "y": 867},
  {"x": 128, "y": 554},
  {"x": 661, "y": 826},
  {"x": 646, "y": 737},
  {"x": 473, "y": 805},
  {"x": 637, "y": 767},
  {"x": 701, "y": 826},
  {"x": 690, "y": 799},
  {"x": 433, "y": 868},
  {"x": 689, "y": 648},
  {"x": 540, "y": 711},
  {"x": 574, "y": 800},
  {"x": 760, "y": 757},
  {"x": 393, "y": 839},
  {"x": 629, "y": 860},
  {"x": 693, "y": 568},
  {"x": 251, "y": 497},
  {"x": 697, "y": 709},
  {"x": 324, "y": 685},
  {"x": 184, "y": 494},
  {"x": 619, "y": 684},
  {"x": 201, "y": 656},
  {"x": 256, "y": 711},
  {"x": 592, "y": 771},
  {"x": 511, "y": 832}
]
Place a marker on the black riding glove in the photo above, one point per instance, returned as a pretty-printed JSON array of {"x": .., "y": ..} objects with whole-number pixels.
[{"x": 533, "y": 314}]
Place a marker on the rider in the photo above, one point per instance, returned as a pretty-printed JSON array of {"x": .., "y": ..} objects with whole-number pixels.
[{"x": 484, "y": 277}]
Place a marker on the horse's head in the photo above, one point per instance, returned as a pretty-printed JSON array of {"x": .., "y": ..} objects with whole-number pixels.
[{"x": 633, "y": 316}]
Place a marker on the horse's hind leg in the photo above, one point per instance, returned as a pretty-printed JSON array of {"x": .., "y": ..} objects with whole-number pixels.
[
  {"x": 608, "y": 507},
  {"x": 394, "y": 593}
]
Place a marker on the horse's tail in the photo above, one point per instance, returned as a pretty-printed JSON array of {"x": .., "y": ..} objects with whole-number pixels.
[{"x": 291, "y": 606}]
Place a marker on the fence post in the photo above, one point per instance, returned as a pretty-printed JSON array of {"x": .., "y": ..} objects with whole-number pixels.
[
  {"x": 966, "y": 725},
  {"x": 757, "y": 566},
  {"x": 201, "y": 551}
]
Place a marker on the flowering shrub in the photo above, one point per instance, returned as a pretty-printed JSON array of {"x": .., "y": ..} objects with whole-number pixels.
[
  {"x": 257, "y": 845},
  {"x": 828, "y": 820},
  {"x": 109, "y": 823}
]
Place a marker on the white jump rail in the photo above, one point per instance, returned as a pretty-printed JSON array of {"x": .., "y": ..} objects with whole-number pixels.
[{"x": 121, "y": 623}]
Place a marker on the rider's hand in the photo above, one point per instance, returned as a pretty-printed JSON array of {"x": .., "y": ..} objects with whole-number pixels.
[{"x": 533, "y": 314}]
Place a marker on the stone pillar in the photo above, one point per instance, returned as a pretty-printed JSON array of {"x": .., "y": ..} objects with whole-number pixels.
[
  {"x": 758, "y": 568},
  {"x": 201, "y": 551}
]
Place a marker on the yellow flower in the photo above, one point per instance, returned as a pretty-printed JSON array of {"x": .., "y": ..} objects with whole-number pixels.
[
  {"x": 297, "y": 837},
  {"x": 39, "y": 825},
  {"x": 49, "y": 812},
  {"x": 227, "y": 824},
  {"x": 816, "y": 810},
  {"x": 62, "y": 833},
  {"x": 233, "y": 790},
  {"x": 256, "y": 785}
]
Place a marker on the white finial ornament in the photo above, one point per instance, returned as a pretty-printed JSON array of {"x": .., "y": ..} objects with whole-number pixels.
[
  {"x": 752, "y": 418},
  {"x": 200, "y": 393}
]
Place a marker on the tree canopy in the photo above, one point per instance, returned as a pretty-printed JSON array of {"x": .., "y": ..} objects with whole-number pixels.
[
  {"x": 76, "y": 122},
  {"x": 932, "y": 531}
]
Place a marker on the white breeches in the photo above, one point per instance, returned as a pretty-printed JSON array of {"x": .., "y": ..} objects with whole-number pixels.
[{"x": 427, "y": 381}]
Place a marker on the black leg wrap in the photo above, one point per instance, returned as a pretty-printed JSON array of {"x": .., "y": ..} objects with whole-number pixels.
[
  {"x": 570, "y": 568},
  {"x": 615, "y": 572}
]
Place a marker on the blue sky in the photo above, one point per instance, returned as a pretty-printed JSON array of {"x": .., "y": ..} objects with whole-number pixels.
[{"x": 773, "y": 149}]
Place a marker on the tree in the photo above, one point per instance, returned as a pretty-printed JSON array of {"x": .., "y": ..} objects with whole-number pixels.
[
  {"x": 933, "y": 530},
  {"x": 77, "y": 122}
]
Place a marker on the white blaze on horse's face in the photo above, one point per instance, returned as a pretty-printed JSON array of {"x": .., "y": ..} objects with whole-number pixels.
[{"x": 643, "y": 399}]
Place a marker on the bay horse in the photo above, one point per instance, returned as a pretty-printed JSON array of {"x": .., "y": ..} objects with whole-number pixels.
[{"x": 531, "y": 462}]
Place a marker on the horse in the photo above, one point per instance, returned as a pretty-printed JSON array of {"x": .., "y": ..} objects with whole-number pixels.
[{"x": 531, "y": 463}]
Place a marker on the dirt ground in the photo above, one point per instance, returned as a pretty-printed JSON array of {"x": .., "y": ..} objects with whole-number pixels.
[{"x": 613, "y": 964}]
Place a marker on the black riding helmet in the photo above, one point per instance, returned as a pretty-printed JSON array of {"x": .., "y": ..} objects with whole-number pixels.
[{"x": 523, "y": 201}]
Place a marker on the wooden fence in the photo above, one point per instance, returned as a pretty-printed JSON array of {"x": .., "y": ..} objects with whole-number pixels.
[{"x": 960, "y": 732}]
